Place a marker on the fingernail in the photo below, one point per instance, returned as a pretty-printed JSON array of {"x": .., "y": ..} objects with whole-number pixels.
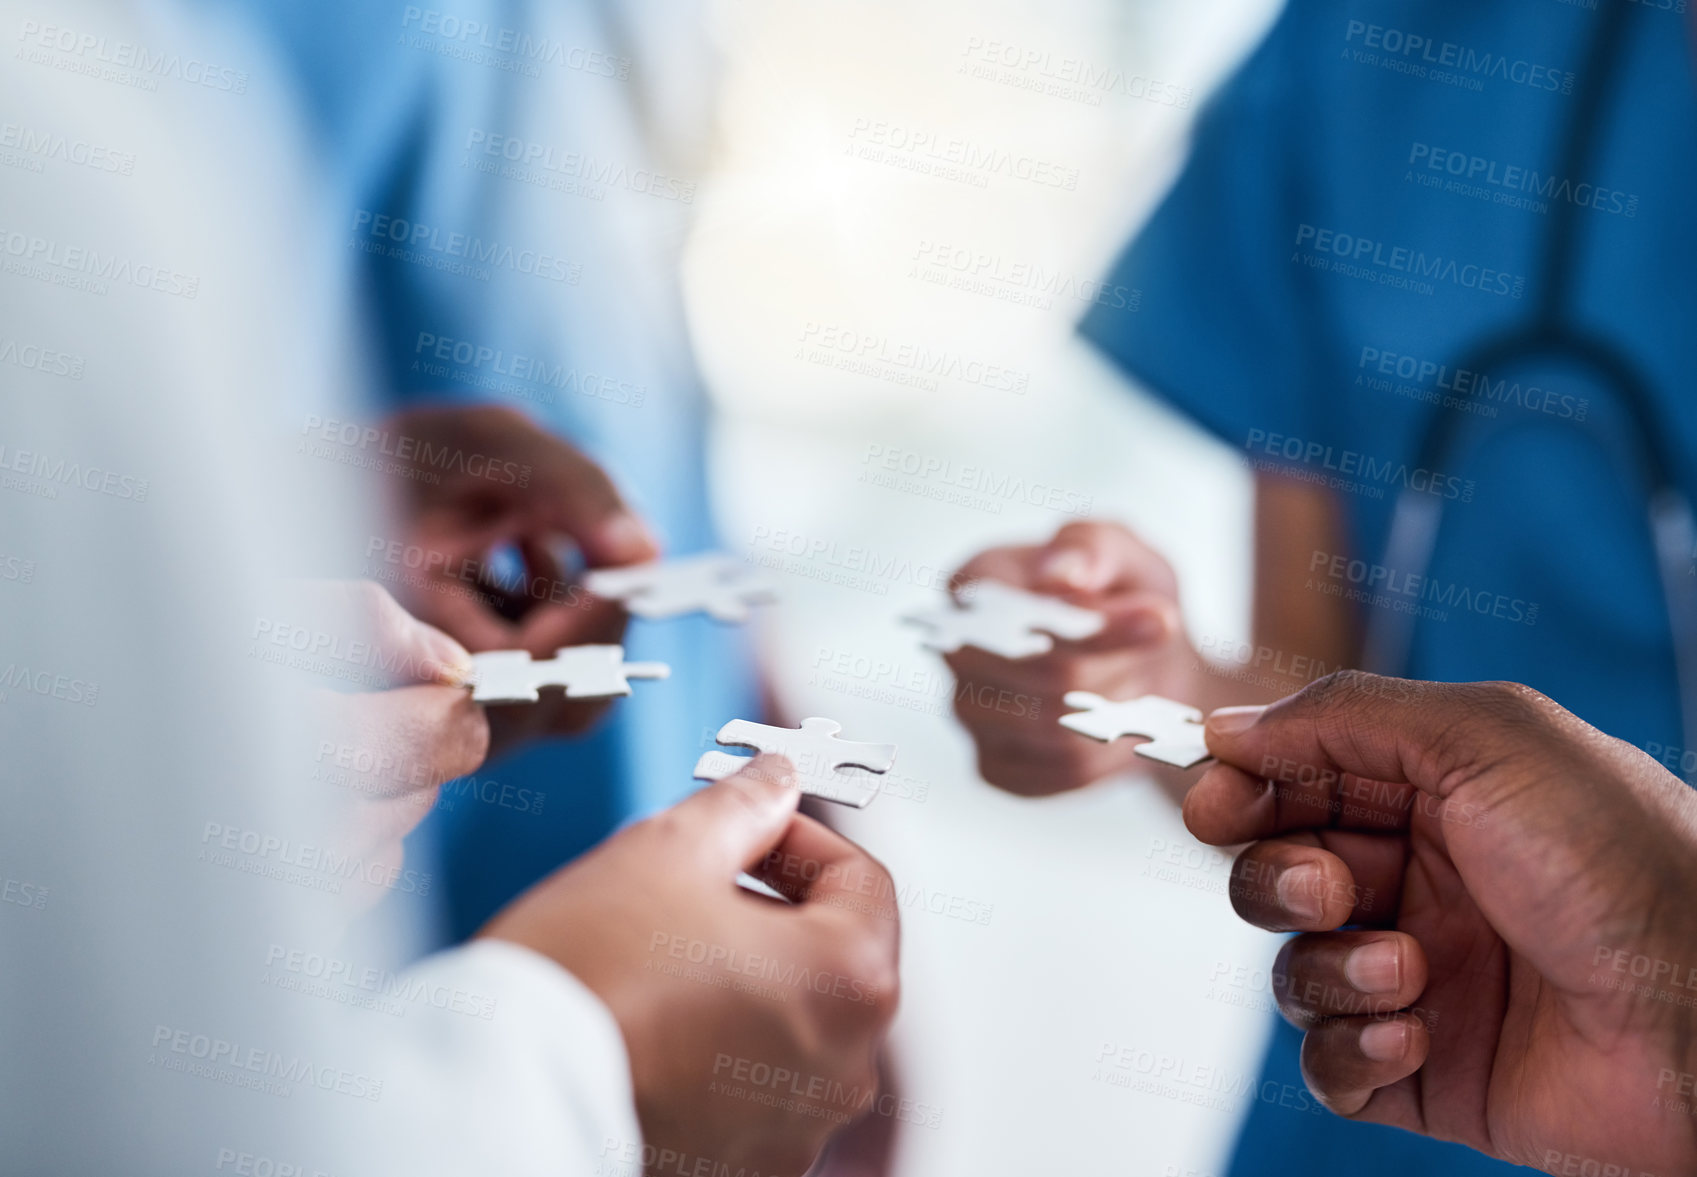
[
  {"x": 1071, "y": 568},
  {"x": 1375, "y": 967},
  {"x": 1298, "y": 892},
  {"x": 1384, "y": 1042},
  {"x": 1229, "y": 721},
  {"x": 625, "y": 533},
  {"x": 445, "y": 660}
]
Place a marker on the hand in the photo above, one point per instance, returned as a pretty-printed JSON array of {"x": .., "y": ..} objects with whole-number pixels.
[
  {"x": 489, "y": 477},
  {"x": 1011, "y": 706},
  {"x": 388, "y": 752},
  {"x": 1504, "y": 867},
  {"x": 752, "y": 1026}
]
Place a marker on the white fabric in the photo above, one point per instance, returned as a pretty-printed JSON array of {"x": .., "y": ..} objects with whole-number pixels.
[{"x": 168, "y": 885}]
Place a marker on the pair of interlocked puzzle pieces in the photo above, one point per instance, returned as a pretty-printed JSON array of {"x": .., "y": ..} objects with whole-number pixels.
[{"x": 1013, "y": 623}]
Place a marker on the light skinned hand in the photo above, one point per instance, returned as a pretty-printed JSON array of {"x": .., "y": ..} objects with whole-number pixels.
[
  {"x": 753, "y": 1026},
  {"x": 386, "y": 753},
  {"x": 1010, "y": 706},
  {"x": 1504, "y": 869}
]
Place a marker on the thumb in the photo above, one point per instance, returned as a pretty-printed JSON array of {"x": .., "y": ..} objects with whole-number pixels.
[
  {"x": 1355, "y": 749},
  {"x": 737, "y": 821}
]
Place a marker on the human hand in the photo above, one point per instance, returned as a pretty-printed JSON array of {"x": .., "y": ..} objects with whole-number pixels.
[
  {"x": 389, "y": 751},
  {"x": 490, "y": 477},
  {"x": 727, "y": 999},
  {"x": 1496, "y": 858},
  {"x": 1010, "y": 706}
]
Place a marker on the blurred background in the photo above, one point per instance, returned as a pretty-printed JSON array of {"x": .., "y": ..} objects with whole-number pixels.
[{"x": 907, "y": 210}]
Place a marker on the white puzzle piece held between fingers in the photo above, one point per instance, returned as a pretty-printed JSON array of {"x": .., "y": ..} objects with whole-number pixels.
[
  {"x": 836, "y": 770},
  {"x": 586, "y": 672},
  {"x": 1007, "y": 621},
  {"x": 1174, "y": 731},
  {"x": 719, "y": 585}
]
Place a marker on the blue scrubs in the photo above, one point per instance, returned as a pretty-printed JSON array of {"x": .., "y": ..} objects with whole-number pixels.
[
  {"x": 1367, "y": 201},
  {"x": 514, "y": 231}
]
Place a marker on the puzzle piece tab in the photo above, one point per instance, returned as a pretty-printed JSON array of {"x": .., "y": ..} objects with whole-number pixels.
[
  {"x": 586, "y": 672},
  {"x": 836, "y": 770},
  {"x": 719, "y": 585},
  {"x": 1174, "y": 730},
  {"x": 1007, "y": 621}
]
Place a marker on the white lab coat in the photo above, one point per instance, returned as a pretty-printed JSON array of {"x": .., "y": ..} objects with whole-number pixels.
[{"x": 179, "y": 992}]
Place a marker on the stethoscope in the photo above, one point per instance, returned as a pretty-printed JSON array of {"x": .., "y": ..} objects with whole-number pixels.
[{"x": 1547, "y": 337}]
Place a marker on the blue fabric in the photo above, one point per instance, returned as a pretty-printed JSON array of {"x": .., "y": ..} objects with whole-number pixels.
[
  {"x": 515, "y": 239},
  {"x": 1255, "y": 324}
]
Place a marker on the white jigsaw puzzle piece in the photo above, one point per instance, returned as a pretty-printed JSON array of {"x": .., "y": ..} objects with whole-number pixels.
[
  {"x": 586, "y": 672},
  {"x": 714, "y": 583},
  {"x": 1007, "y": 621},
  {"x": 1173, "y": 729},
  {"x": 836, "y": 770}
]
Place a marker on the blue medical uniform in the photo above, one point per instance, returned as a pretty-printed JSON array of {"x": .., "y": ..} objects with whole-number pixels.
[
  {"x": 1368, "y": 198},
  {"x": 514, "y": 232}
]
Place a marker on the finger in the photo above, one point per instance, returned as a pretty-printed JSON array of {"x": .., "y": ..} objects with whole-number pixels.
[
  {"x": 1315, "y": 881},
  {"x": 590, "y": 621},
  {"x": 1355, "y": 726},
  {"x": 1286, "y": 887},
  {"x": 1348, "y": 974},
  {"x": 815, "y": 864},
  {"x": 1228, "y": 805},
  {"x": 467, "y": 611},
  {"x": 574, "y": 495},
  {"x": 408, "y": 738},
  {"x": 735, "y": 822},
  {"x": 1345, "y": 1061},
  {"x": 1036, "y": 768},
  {"x": 1132, "y": 621},
  {"x": 1092, "y": 557}
]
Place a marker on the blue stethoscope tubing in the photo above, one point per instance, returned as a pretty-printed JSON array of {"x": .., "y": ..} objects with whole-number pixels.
[{"x": 1547, "y": 337}]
